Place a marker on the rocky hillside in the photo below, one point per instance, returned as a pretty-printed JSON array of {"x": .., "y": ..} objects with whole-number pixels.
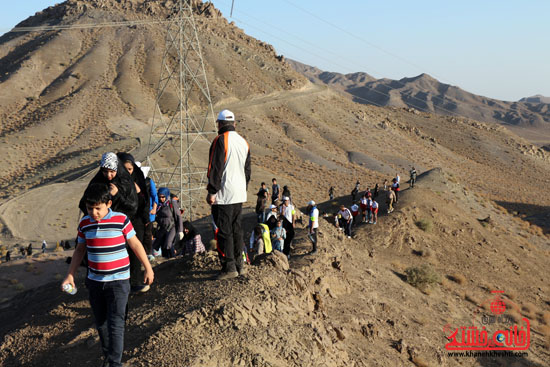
[
  {"x": 477, "y": 218},
  {"x": 428, "y": 94}
]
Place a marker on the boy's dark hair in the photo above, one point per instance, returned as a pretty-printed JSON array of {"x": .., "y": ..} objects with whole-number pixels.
[
  {"x": 97, "y": 193},
  {"x": 263, "y": 183},
  {"x": 273, "y": 179}
]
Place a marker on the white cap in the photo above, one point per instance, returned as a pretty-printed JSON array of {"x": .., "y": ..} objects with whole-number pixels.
[
  {"x": 226, "y": 115},
  {"x": 311, "y": 203},
  {"x": 285, "y": 198},
  {"x": 272, "y": 206}
]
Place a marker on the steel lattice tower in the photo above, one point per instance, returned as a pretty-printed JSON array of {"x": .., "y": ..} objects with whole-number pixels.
[{"x": 183, "y": 116}]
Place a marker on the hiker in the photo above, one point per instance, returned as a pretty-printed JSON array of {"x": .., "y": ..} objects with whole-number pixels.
[
  {"x": 363, "y": 204},
  {"x": 275, "y": 189},
  {"x": 151, "y": 188},
  {"x": 313, "y": 225},
  {"x": 22, "y": 250},
  {"x": 123, "y": 190},
  {"x": 288, "y": 215},
  {"x": 375, "y": 191},
  {"x": 331, "y": 193},
  {"x": 412, "y": 174},
  {"x": 8, "y": 256},
  {"x": 368, "y": 193},
  {"x": 374, "y": 209},
  {"x": 385, "y": 185},
  {"x": 355, "y": 191},
  {"x": 29, "y": 249},
  {"x": 354, "y": 211},
  {"x": 271, "y": 216},
  {"x": 102, "y": 235},
  {"x": 286, "y": 193},
  {"x": 192, "y": 241},
  {"x": 260, "y": 239},
  {"x": 44, "y": 246},
  {"x": 169, "y": 223},
  {"x": 395, "y": 188},
  {"x": 67, "y": 245},
  {"x": 390, "y": 199},
  {"x": 228, "y": 177},
  {"x": 263, "y": 190},
  {"x": 139, "y": 220},
  {"x": 278, "y": 236},
  {"x": 261, "y": 203},
  {"x": 346, "y": 220},
  {"x": 397, "y": 178}
]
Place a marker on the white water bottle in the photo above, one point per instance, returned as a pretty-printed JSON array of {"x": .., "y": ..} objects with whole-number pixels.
[{"x": 69, "y": 289}]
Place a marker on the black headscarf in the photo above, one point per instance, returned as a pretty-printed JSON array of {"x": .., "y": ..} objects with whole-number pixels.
[
  {"x": 192, "y": 230},
  {"x": 126, "y": 200}
]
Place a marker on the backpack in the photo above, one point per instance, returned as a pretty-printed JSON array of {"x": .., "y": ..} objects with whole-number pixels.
[{"x": 266, "y": 238}]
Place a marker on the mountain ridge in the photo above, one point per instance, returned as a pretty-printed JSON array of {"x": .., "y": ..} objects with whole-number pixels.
[{"x": 427, "y": 94}]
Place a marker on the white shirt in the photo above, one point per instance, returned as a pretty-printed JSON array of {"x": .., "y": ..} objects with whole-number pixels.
[
  {"x": 314, "y": 218},
  {"x": 346, "y": 214},
  {"x": 288, "y": 212}
]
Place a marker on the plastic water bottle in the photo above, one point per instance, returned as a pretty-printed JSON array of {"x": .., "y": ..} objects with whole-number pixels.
[{"x": 69, "y": 289}]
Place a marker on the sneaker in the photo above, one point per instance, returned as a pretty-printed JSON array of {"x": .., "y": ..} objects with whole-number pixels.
[
  {"x": 370, "y": 222},
  {"x": 139, "y": 288},
  {"x": 227, "y": 275},
  {"x": 151, "y": 258},
  {"x": 349, "y": 236},
  {"x": 313, "y": 252}
]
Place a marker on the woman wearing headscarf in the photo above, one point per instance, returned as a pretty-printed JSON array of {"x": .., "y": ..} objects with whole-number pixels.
[
  {"x": 192, "y": 241},
  {"x": 169, "y": 223},
  {"x": 123, "y": 191},
  {"x": 139, "y": 221}
]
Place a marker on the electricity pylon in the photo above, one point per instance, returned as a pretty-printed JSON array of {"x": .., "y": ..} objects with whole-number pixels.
[{"x": 183, "y": 116}]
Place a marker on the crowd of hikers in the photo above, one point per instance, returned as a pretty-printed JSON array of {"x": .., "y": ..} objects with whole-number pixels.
[{"x": 127, "y": 222}]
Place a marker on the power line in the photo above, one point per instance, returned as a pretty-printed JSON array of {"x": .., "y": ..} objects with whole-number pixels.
[{"x": 332, "y": 62}]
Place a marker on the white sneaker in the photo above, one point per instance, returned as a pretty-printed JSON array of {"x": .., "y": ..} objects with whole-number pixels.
[{"x": 349, "y": 236}]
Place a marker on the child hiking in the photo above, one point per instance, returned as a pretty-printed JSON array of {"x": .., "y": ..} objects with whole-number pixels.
[{"x": 102, "y": 235}]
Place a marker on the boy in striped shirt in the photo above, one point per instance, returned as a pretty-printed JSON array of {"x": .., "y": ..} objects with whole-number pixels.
[{"x": 102, "y": 235}]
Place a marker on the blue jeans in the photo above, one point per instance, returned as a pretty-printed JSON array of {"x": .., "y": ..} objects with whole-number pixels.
[{"x": 109, "y": 301}]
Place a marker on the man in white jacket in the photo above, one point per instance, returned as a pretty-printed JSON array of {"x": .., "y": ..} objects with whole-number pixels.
[{"x": 228, "y": 177}]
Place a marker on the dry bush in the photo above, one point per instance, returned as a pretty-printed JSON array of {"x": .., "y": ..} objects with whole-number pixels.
[
  {"x": 422, "y": 277},
  {"x": 512, "y": 295},
  {"x": 457, "y": 278},
  {"x": 544, "y": 330},
  {"x": 14, "y": 281},
  {"x": 424, "y": 224},
  {"x": 419, "y": 362},
  {"x": 515, "y": 315},
  {"x": 471, "y": 298},
  {"x": 19, "y": 287},
  {"x": 397, "y": 265},
  {"x": 529, "y": 309}
]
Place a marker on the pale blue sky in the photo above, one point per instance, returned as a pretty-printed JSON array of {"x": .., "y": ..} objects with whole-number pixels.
[{"x": 496, "y": 48}]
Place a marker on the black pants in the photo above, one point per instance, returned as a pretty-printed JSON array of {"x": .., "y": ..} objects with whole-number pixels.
[
  {"x": 136, "y": 274},
  {"x": 313, "y": 238},
  {"x": 148, "y": 238},
  {"x": 289, "y": 228},
  {"x": 230, "y": 235}
]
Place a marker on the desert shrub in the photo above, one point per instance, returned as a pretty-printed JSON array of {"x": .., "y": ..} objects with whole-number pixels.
[
  {"x": 422, "y": 277},
  {"x": 457, "y": 278},
  {"x": 19, "y": 287},
  {"x": 14, "y": 281},
  {"x": 424, "y": 224}
]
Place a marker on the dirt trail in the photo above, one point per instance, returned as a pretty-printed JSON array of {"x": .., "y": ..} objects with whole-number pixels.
[{"x": 348, "y": 305}]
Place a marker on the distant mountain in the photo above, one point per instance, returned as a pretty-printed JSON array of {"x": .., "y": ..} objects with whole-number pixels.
[{"x": 426, "y": 93}]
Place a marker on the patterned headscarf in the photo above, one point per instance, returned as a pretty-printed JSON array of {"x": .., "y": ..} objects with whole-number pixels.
[{"x": 109, "y": 161}]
